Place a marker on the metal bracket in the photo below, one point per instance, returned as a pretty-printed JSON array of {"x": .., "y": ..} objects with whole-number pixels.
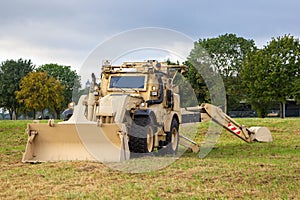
[{"x": 32, "y": 135}]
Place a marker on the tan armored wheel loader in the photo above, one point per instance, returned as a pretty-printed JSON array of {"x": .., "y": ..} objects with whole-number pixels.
[{"x": 135, "y": 111}]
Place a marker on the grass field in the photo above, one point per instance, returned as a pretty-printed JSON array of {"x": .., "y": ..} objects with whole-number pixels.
[{"x": 233, "y": 170}]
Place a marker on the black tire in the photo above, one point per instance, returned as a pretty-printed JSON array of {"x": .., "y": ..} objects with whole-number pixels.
[
  {"x": 141, "y": 138},
  {"x": 172, "y": 139}
]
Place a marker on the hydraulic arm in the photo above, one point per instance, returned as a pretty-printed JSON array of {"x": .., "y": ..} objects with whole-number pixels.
[{"x": 252, "y": 134}]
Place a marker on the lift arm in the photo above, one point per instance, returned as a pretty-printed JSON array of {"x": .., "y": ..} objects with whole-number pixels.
[{"x": 252, "y": 134}]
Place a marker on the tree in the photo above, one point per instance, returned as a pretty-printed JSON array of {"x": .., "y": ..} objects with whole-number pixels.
[
  {"x": 272, "y": 73},
  {"x": 225, "y": 54},
  {"x": 284, "y": 67},
  {"x": 11, "y": 73},
  {"x": 38, "y": 91},
  {"x": 253, "y": 73},
  {"x": 197, "y": 83},
  {"x": 67, "y": 77}
]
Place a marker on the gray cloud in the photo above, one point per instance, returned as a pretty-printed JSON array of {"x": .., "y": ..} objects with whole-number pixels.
[{"x": 66, "y": 31}]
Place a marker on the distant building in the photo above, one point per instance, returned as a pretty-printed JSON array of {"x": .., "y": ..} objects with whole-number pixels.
[{"x": 292, "y": 109}]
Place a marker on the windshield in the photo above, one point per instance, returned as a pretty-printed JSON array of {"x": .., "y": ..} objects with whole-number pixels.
[{"x": 137, "y": 82}]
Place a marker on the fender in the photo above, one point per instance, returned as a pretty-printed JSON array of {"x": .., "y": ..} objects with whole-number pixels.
[
  {"x": 145, "y": 112},
  {"x": 168, "y": 121},
  {"x": 148, "y": 113}
]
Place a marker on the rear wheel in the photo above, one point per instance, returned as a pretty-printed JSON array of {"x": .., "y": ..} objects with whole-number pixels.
[
  {"x": 141, "y": 136},
  {"x": 172, "y": 139}
]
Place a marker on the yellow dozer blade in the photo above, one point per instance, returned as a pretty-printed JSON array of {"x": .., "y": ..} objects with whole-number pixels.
[
  {"x": 76, "y": 139},
  {"x": 74, "y": 142}
]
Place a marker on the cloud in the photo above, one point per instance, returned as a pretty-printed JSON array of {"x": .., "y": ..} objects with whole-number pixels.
[
  {"x": 150, "y": 43},
  {"x": 67, "y": 31}
]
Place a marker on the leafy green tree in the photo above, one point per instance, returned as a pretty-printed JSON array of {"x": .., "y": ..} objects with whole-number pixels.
[
  {"x": 284, "y": 67},
  {"x": 197, "y": 83},
  {"x": 224, "y": 55},
  {"x": 253, "y": 73},
  {"x": 38, "y": 91},
  {"x": 271, "y": 74},
  {"x": 11, "y": 73},
  {"x": 67, "y": 77},
  {"x": 186, "y": 92}
]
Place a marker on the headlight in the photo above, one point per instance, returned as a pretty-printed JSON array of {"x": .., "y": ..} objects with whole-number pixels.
[{"x": 71, "y": 105}]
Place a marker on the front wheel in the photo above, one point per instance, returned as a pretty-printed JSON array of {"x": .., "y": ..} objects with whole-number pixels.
[{"x": 141, "y": 137}]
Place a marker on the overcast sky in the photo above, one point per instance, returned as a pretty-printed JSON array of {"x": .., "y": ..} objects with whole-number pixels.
[{"x": 65, "y": 32}]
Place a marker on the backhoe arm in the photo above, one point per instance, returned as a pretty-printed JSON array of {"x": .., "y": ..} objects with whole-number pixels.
[{"x": 211, "y": 112}]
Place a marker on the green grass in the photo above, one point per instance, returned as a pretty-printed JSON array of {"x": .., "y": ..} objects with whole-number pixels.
[{"x": 232, "y": 170}]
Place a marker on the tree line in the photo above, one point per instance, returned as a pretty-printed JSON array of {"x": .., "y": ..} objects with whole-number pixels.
[
  {"x": 260, "y": 77},
  {"x": 26, "y": 89}
]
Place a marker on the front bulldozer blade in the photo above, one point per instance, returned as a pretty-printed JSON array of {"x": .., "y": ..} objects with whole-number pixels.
[
  {"x": 76, "y": 139},
  {"x": 70, "y": 142},
  {"x": 261, "y": 134}
]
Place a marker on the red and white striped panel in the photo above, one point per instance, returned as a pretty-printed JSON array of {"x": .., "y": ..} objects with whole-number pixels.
[{"x": 234, "y": 129}]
